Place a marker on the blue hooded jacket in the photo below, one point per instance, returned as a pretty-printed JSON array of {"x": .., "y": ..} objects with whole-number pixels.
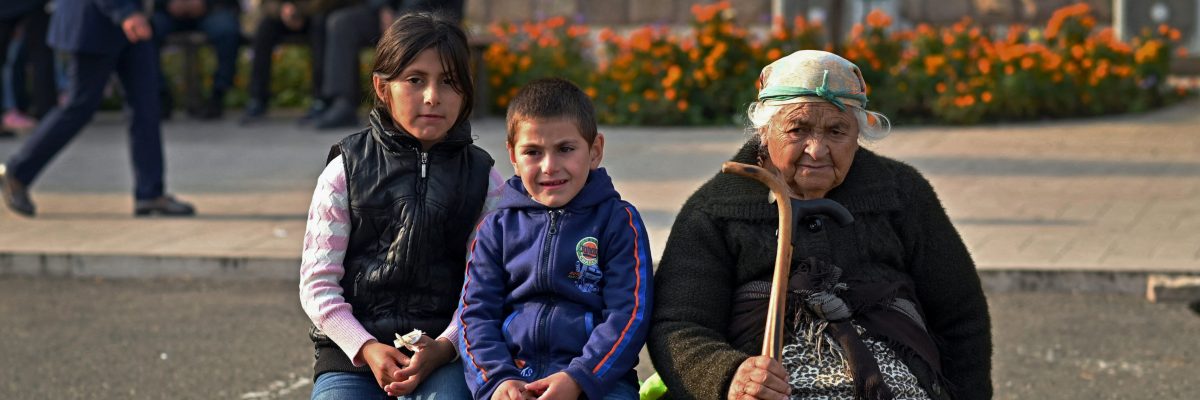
[{"x": 557, "y": 289}]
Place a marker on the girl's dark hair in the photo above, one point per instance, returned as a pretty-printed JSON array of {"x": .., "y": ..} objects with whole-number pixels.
[{"x": 415, "y": 32}]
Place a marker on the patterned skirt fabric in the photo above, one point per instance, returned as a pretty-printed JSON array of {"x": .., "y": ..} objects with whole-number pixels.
[{"x": 817, "y": 370}]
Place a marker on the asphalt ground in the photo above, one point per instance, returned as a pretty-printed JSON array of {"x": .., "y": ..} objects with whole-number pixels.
[{"x": 97, "y": 338}]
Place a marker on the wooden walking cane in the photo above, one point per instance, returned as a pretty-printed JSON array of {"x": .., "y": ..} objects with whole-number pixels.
[{"x": 773, "y": 340}]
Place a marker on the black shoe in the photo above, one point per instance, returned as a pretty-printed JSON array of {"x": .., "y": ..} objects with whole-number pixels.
[
  {"x": 314, "y": 111},
  {"x": 341, "y": 114},
  {"x": 5, "y": 133},
  {"x": 163, "y": 205},
  {"x": 16, "y": 196},
  {"x": 255, "y": 111}
]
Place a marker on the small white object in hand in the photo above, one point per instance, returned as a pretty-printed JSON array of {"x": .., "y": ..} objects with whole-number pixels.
[{"x": 409, "y": 340}]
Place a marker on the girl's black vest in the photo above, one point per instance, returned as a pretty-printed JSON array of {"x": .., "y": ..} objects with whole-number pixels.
[{"x": 411, "y": 212}]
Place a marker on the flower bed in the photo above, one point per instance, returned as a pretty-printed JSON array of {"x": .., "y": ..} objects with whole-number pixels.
[{"x": 957, "y": 74}]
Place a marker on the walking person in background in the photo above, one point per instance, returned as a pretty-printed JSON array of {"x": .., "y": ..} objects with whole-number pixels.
[
  {"x": 102, "y": 37},
  {"x": 391, "y": 216},
  {"x": 218, "y": 19},
  {"x": 282, "y": 18},
  {"x": 32, "y": 19}
]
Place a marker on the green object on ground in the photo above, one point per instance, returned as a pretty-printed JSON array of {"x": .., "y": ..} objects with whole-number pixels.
[{"x": 653, "y": 388}]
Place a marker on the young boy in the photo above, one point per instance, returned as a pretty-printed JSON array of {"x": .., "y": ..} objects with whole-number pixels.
[{"x": 557, "y": 293}]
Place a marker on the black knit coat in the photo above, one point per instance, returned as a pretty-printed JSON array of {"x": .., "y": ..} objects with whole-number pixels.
[{"x": 724, "y": 237}]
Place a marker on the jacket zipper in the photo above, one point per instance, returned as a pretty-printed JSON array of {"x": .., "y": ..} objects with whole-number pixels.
[
  {"x": 546, "y": 267},
  {"x": 424, "y": 162},
  {"x": 543, "y": 331}
]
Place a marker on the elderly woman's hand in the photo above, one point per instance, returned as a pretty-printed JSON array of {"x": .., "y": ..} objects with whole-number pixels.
[{"x": 760, "y": 377}]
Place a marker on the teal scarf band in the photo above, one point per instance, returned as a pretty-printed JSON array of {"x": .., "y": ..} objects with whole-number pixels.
[{"x": 780, "y": 93}]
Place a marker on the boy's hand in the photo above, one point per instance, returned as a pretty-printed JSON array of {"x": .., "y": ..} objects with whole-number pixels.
[
  {"x": 385, "y": 361},
  {"x": 433, "y": 354},
  {"x": 558, "y": 386},
  {"x": 511, "y": 389}
]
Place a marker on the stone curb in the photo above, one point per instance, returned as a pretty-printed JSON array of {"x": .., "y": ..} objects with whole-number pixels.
[{"x": 1154, "y": 285}]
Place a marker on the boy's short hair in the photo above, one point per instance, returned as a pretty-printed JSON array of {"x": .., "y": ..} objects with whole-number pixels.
[{"x": 552, "y": 98}]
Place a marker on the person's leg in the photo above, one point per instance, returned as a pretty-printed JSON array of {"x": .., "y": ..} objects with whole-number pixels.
[
  {"x": 86, "y": 75},
  {"x": 266, "y": 36},
  {"x": 347, "y": 31},
  {"x": 316, "y": 44},
  {"x": 137, "y": 62},
  {"x": 41, "y": 59},
  {"x": 447, "y": 382},
  {"x": 224, "y": 33},
  {"x": 6, "y": 30},
  {"x": 348, "y": 386},
  {"x": 163, "y": 25},
  {"x": 623, "y": 390}
]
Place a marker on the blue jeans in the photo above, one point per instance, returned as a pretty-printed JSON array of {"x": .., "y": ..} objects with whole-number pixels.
[
  {"x": 446, "y": 383},
  {"x": 624, "y": 390}
]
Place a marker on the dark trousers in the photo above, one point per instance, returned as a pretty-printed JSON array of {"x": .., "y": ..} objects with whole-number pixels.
[
  {"x": 137, "y": 67},
  {"x": 40, "y": 58},
  {"x": 348, "y": 31},
  {"x": 270, "y": 32},
  {"x": 222, "y": 28}
]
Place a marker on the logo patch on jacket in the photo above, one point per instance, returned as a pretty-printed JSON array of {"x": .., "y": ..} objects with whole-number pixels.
[{"x": 587, "y": 269}]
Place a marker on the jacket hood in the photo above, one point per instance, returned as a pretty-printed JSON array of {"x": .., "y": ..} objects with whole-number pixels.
[
  {"x": 392, "y": 136},
  {"x": 596, "y": 190}
]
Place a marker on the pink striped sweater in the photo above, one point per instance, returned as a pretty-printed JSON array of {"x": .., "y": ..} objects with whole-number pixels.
[{"x": 325, "y": 240}]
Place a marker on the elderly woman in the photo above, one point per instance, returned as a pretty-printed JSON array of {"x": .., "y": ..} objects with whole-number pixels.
[{"x": 899, "y": 275}]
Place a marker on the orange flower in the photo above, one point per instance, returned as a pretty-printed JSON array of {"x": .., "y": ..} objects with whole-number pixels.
[
  {"x": 669, "y": 94},
  {"x": 1008, "y": 70},
  {"x": 591, "y": 92},
  {"x": 941, "y": 87},
  {"x": 576, "y": 31},
  {"x": 634, "y": 107},
  {"x": 960, "y": 87},
  {"x": 682, "y": 105},
  {"x": 985, "y": 66},
  {"x": 878, "y": 19},
  {"x": 1077, "y": 52},
  {"x": 986, "y": 97},
  {"x": 1026, "y": 63},
  {"x": 933, "y": 63},
  {"x": 704, "y": 13},
  {"x": 774, "y": 54}
]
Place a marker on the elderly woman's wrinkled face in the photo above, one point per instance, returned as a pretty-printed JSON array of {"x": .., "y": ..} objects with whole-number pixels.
[{"x": 812, "y": 146}]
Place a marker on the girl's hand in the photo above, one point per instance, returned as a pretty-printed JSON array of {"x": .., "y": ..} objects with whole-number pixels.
[
  {"x": 385, "y": 361},
  {"x": 433, "y": 354},
  {"x": 556, "y": 386},
  {"x": 511, "y": 389},
  {"x": 760, "y": 377}
]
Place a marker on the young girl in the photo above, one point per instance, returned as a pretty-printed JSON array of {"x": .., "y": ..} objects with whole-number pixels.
[{"x": 385, "y": 246}]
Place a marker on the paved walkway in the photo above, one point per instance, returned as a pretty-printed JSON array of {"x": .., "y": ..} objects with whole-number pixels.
[{"x": 1083, "y": 204}]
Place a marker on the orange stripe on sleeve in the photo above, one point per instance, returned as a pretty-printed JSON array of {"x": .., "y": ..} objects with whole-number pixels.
[{"x": 637, "y": 270}]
